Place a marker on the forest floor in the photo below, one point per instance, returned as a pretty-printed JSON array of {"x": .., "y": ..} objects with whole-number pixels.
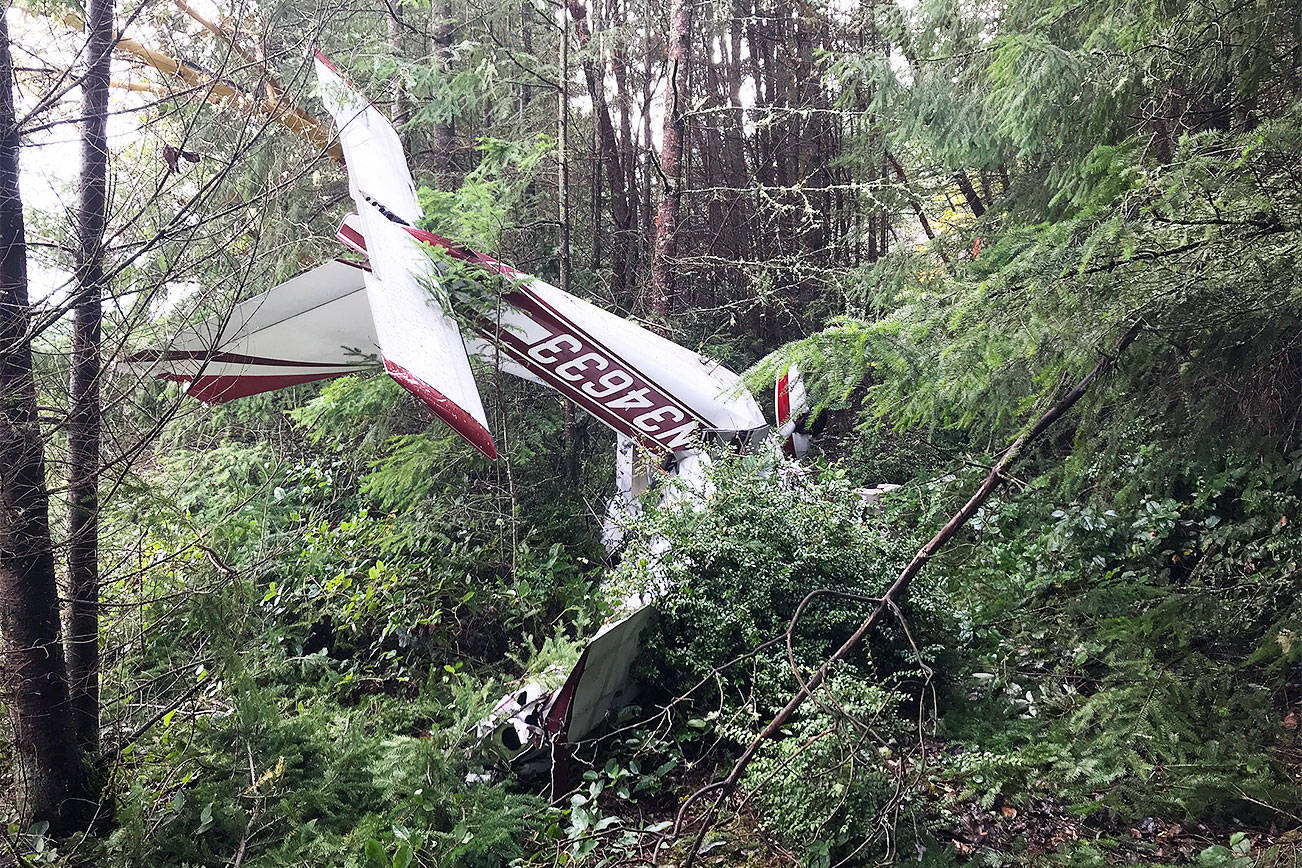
[{"x": 1040, "y": 830}]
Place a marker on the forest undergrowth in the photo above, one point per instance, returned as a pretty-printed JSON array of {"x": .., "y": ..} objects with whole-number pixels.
[{"x": 1089, "y": 679}]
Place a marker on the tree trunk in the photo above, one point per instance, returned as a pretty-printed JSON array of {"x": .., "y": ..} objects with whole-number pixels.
[
  {"x": 84, "y": 416},
  {"x": 50, "y": 782},
  {"x": 739, "y": 175},
  {"x": 646, "y": 209},
  {"x": 398, "y": 107},
  {"x": 563, "y": 218},
  {"x": 607, "y": 149},
  {"x": 914, "y": 202},
  {"x": 596, "y": 194},
  {"x": 969, "y": 194},
  {"x": 441, "y": 143},
  {"x": 628, "y": 160},
  {"x": 671, "y": 161}
]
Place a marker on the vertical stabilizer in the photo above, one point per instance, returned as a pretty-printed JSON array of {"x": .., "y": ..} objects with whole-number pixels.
[{"x": 419, "y": 341}]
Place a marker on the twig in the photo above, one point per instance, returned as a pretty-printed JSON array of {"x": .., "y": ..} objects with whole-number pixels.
[{"x": 163, "y": 712}]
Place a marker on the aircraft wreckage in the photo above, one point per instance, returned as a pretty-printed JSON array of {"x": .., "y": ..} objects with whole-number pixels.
[{"x": 337, "y": 318}]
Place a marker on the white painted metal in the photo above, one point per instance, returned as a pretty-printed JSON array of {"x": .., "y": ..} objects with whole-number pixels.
[
  {"x": 604, "y": 683},
  {"x": 318, "y": 322},
  {"x": 420, "y": 342}
]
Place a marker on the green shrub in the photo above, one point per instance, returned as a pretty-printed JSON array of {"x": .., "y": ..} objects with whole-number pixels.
[
  {"x": 825, "y": 787},
  {"x": 739, "y": 564}
]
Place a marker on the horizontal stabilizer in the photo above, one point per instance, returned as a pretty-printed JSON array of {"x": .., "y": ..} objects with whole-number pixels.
[{"x": 315, "y": 326}]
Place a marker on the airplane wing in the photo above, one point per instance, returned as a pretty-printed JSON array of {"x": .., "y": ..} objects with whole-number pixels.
[
  {"x": 420, "y": 343},
  {"x": 525, "y": 719},
  {"x": 315, "y": 326}
]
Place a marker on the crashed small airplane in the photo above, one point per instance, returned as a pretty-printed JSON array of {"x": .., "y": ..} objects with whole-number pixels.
[{"x": 344, "y": 316}]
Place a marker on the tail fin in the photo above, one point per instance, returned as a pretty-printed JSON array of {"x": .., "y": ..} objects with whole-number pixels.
[
  {"x": 420, "y": 342},
  {"x": 791, "y": 400}
]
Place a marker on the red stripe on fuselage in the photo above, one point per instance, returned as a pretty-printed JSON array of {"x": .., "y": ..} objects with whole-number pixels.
[{"x": 566, "y": 344}]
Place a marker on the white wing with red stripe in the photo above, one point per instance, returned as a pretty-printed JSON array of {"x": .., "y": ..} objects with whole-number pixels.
[{"x": 315, "y": 326}]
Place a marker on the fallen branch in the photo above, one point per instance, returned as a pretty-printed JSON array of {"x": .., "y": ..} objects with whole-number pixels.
[
  {"x": 726, "y": 786},
  {"x": 218, "y": 90}
]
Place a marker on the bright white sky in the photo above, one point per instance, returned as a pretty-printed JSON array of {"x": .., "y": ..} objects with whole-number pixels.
[{"x": 51, "y": 158}]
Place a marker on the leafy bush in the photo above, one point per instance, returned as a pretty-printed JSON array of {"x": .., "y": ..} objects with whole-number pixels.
[
  {"x": 846, "y": 743},
  {"x": 1138, "y": 650},
  {"x": 738, "y": 565}
]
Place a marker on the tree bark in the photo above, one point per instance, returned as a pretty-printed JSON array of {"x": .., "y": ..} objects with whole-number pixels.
[
  {"x": 671, "y": 161},
  {"x": 969, "y": 193},
  {"x": 628, "y": 159},
  {"x": 50, "y": 782},
  {"x": 597, "y": 196},
  {"x": 85, "y": 412},
  {"x": 563, "y": 218},
  {"x": 646, "y": 209},
  {"x": 608, "y": 149},
  {"x": 398, "y": 106},
  {"x": 914, "y": 202},
  {"x": 441, "y": 136}
]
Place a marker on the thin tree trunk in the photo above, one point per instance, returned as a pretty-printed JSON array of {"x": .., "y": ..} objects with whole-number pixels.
[
  {"x": 526, "y": 42},
  {"x": 598, "y": 227},
  {"x": 85, "y": 412},
  {"x": 50, "y": 782},
  {"x": 399, "y": 109},
  {"x": 911, "y": 196},
  {"x": 607, "y": 148},
  {"x": 646, "y": 209},
  {"x": 563, "y": 217},
  {"x": 628, "y": 161},
  {"x": 671, "y": 161},
  {"x": 969, "y": 193},
  {"x": 441, "y": 137},
  {"x": 741, "y": 210}
]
